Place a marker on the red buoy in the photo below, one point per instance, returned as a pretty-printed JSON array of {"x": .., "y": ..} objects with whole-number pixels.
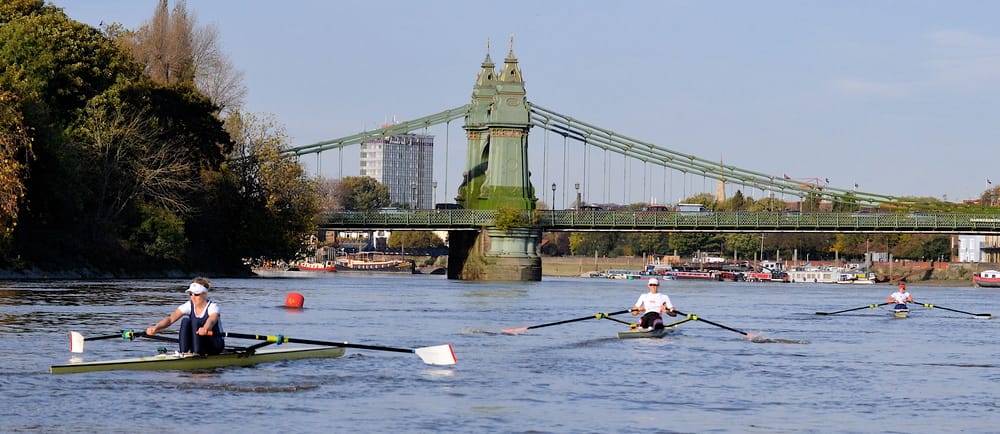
[{"x": 295, "y": 300}]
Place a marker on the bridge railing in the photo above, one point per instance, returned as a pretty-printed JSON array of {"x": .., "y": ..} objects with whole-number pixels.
[{"x": 653, "y": 221}]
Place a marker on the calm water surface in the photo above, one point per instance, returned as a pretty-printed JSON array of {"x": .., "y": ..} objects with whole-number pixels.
[{"x": 861, "y": 371}]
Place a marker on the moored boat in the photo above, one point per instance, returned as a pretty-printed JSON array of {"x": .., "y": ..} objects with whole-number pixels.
[
  {"x": 187, "y": 361},
  {"x": 646, "y": 333},
  {"x": 317, "y": 266},
  {"x": 987, "y": 279},
  {"x": 705, "y": 275},
  {"x": 367, "y": 262}
]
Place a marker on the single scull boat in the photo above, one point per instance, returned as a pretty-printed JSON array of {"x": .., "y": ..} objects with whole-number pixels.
[
  {"x": 187, "y": 361},
  {"x": 644, "y": 333}
]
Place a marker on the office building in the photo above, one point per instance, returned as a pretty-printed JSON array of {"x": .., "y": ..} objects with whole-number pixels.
[{"x": 405, "y": 164}]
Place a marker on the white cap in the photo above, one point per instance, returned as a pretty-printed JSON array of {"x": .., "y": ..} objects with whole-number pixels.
[
  {"x": 196, "y": 288},
  {"x": 653, "y": 281}
]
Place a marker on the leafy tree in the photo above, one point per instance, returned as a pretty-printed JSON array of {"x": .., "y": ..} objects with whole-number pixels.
[
  {"x": 275, "y": 197},
  {"x": 126, "y": 163},
  {"x": 687, "y": 243},
  {"x": 358, "y": 193},
  {"x": 586, "y": 244},
  {"x": 735, "y": 203},
  {"x": 745, "y": 245},
  {"x": 15, "y": 152},
  {"x": 654, "y": 243},
  {"x": 160, "y": 234},
  {"x": 415, "y": 240},
  {"x": 769, "y": 204},
  {"x": 11, "y": 9},
  {"x": 703, "y": 198}
]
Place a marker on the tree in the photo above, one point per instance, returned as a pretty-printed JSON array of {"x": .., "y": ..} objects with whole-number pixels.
[
  {"x": 415, "y": 240},
  {"x": 174, "y": 50},
  {"x": 127, "y": 163},
  {"x": 603, "y": 243},
  {"x": 15, "y": 153},
  {"x": 359, "y": 193},
  {"x": 745, "y": 245},
  {"x": 687, "y": 243},
  {"x": 276, "y": 198}
]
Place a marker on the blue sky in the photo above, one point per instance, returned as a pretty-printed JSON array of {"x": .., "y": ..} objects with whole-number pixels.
[{"x": 900, "y": 97}]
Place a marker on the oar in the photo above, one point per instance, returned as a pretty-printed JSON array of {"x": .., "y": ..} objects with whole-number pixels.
[
  {"x": 76, "y": 339},
  {"x": 436, "y": 355},
  {"x": 697, "y": 318},
  {"x": 870, "y": 306},
  {"x": 597, "y": 316},
  {"x": 977, "y": 315}
]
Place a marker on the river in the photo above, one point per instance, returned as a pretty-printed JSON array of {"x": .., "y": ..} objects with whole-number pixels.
[{"x": 859, "y": 371}]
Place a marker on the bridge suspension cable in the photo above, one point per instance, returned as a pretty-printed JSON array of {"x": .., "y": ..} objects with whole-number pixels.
[
  {"x": 589, "y": 134},
  {"x": 386, "y": 131}
]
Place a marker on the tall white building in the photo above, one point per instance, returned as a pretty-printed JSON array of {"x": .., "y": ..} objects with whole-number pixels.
[{"x": 405, "y": 164}]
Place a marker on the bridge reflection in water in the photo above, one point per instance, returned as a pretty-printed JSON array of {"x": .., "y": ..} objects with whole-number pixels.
[{"x": 645, "y": 221}]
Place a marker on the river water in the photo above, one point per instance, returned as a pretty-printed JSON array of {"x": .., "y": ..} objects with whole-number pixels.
[{"x": 859, "y": 371}]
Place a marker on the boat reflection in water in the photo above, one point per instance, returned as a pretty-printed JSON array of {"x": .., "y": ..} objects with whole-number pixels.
[{"x": 373, "y": 262}]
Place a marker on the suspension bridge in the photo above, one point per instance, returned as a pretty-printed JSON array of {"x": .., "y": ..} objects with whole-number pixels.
[{"x": 488, "y": 246}]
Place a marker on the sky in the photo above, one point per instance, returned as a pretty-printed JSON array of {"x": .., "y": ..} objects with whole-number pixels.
[{"x": 898, "y": 97}]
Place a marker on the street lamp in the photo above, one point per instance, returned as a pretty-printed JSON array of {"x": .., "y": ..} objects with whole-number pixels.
[
  {"x": 553, "y": 208},
  {"x": 413, "y": 188},
  {"x": 434, "y": 185},
  {"x": 577, "y": 185}
]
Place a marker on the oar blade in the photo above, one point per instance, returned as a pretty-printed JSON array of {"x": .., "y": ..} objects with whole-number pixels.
[
  {"x": 75, "y": 342},
  {"x": 514, "y": 331},
  {"x": 437, "y": 355}
]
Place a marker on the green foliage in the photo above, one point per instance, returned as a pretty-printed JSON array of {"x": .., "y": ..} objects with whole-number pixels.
[
  {"x": 586, "y": 243},
  {"x": 11, "y": 9},
  {"x": 507, "y": 218},
  {"x": 745, "y": 245},
  {"x": 415, "y": 240},
  {"x": 687, "y": 243},
  {"x": 359, "y": 193},
  {"x": 160, "y": 235},
  {"x": 15, "y": 153}
]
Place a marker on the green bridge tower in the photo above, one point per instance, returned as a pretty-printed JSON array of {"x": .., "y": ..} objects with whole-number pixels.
[{"x": 497, "y": 178}]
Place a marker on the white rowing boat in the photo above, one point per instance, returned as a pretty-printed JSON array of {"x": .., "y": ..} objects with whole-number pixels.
[
  {"x": 645, "y": 333},
  {"x": 900, "y": 313},
  {"x": 188, "y": 361}
]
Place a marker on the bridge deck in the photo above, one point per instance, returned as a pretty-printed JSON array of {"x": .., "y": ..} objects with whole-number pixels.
[{"x": 646, "y": 221}]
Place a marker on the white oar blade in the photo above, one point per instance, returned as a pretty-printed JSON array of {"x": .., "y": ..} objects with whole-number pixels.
[
  {"x": 437, "y": 355},
  {"x": 75, "y": 342}
]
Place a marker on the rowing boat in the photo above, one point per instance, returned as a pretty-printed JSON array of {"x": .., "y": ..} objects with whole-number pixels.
[
  {"x": 900, "y": 312},
  {"x": 645, "y": 333},
  {"x": 188, "y": 361}
]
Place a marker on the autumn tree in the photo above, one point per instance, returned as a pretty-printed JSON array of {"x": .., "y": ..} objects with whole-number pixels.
[
  {"x": 173, "y": 49},
  {"x": 15, "y": 152},
  {"x": 264, "y": 189}
]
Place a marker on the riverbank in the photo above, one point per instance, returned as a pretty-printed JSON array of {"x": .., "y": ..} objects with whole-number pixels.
[{"x": 913, "y": 272}]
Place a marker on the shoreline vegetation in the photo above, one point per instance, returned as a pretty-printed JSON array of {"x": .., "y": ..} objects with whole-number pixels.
[{"x": 914, "y": 272}]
